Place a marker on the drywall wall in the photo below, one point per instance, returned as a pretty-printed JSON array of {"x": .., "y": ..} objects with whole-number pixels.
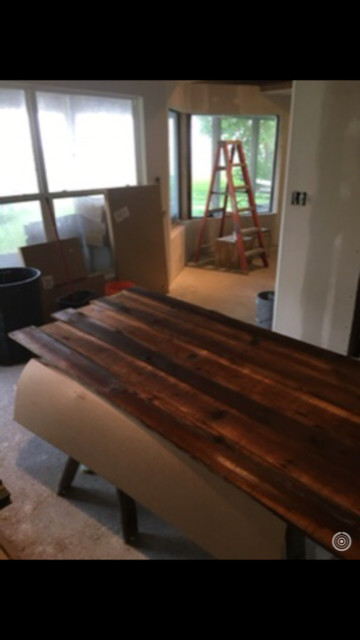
[
  {"x": 319, "y": 259},
  {"x": 177, "y": 250}
]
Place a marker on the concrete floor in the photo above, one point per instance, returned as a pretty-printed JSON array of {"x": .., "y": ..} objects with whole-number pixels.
[
  {"x": 86, "y": 525},
  {"x": 230, "y": 293}
]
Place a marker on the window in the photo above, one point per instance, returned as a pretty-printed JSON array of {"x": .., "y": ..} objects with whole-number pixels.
[
  {"x": 20, "y": 225},
  {"x": 17, "y": 165},
  {"x": 88, "y": 142},
  {"x": 258, "y": 135},
  {"x": 53, "y": 146},
  {"x": 174, "y": 205},
  {"x": 84, "y": 217}
]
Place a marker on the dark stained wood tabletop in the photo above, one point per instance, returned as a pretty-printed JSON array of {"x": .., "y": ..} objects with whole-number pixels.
[{"x": 273, "y": 416}]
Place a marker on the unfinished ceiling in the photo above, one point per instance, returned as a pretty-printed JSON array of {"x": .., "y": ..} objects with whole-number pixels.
[{"x": 265, "y": 85}]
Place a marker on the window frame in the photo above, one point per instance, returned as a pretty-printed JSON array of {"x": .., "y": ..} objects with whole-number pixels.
[
  {"x": 174, "y": 218},
  {"x": 255, "y": 118},
  {"x": 44, "y": 195}
]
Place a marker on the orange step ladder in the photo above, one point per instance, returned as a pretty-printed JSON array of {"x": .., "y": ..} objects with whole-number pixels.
[{"x": 229, "y": 157}]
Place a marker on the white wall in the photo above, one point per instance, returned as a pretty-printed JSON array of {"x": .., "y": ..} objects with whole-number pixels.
[
  {"x": 177, "y": 251},
  {"x": 319, "y": 259}
]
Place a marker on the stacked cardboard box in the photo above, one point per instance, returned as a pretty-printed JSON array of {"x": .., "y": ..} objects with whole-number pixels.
[{"x": 63, "y": 272}]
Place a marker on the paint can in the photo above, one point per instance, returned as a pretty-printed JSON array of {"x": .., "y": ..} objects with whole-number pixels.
[{"x": 265, "y": 309}]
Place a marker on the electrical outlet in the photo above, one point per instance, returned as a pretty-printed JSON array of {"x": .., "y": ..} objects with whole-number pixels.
[{"x": 299, "y": 198}]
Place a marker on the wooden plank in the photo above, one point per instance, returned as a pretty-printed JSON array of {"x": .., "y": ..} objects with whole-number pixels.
[
  {"x": 217, "y": 420},
  {"x": 270, "y": 429},
  {"x": 278, "y": 345},
  {"x": 65, "y": 359},
  {"x": 323, "y": 381},
  {"x": 302, "y": 407},
  {"x": 297, "y": 347},
  {"x": 234, "y": 385},
  {"x": 239, "y": 333}
]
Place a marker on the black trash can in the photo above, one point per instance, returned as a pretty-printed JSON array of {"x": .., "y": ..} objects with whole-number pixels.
[
  {"x": 20, "y": 306},
  {"x": 76, "y": 299},
  {"x": 265, "y": 309}
]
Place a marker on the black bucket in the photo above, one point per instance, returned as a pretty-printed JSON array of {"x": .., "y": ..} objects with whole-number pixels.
[
  {"x": 76, "y": 299},
  {"x": 20, "y": 306}
]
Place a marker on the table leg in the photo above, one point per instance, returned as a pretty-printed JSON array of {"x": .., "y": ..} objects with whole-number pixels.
[
  {"x": 295, "y": 544},
  {"x": 68, "y": 475},
  {"x": 128, "y": 516}
]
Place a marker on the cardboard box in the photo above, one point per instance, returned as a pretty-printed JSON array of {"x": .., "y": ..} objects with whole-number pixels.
[
  {"x": 49, "y": 297},
  {"x": 63, "y": 262},
  {"x": 63, "y": 272}
]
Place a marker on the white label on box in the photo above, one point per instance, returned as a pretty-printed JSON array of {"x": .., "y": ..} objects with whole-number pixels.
[
  {"x": 94, "y": 239},
  {"x": 47, "y": 282},
  {"x": 121, "y": 214}
]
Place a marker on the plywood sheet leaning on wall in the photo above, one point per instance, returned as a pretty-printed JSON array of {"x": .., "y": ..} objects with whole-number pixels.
[{"x": 138, "y": 233}]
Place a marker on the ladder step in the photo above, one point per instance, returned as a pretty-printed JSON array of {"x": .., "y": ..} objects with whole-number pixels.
[
  {"x": 219, "y": 193},
  {"x": 237, "y": 143},
  {"x": 252, "y": 253},
  {"x": 221, "y": 167},
  {"x": 254, "y": 229},
  {"x": 232, "y": 239},
  {"x": 245, "y": 209},
  {"x": 243, "y": 188},
  {"x": 250, "y": 230},
  {"x": 214, "y": 210},
  {"x": 227, "y": 239}
]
